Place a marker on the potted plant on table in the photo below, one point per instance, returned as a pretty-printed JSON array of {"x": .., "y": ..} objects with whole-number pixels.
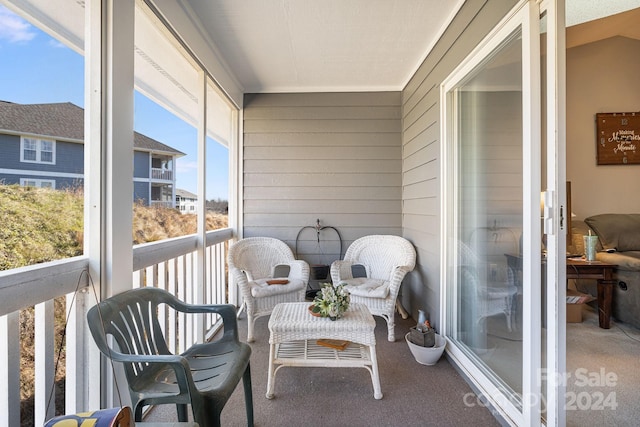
[{"x": 331, "y": 301}]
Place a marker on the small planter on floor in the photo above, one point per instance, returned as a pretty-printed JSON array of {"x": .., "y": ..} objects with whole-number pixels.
[
  {"x": 423, "y": 338},
  {"x": 427, "y": 355}
]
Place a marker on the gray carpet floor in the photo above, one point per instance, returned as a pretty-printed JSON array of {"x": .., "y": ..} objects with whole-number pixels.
[
  {"x": 414, "y": 394},
  {"x": 603, "y": 367},
  {"x": 602, "y": 386}
]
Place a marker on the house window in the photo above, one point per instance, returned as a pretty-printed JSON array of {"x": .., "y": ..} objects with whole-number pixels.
[
  {"x": 38, "y": 183},
  {"x": 37, "y": 151}
]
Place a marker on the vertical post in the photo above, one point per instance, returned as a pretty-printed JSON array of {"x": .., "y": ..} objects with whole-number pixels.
[
  {"x": 75, "y": 355},
  {"x": 45, "y": 399},
  {"x": 10, "y": 369},
  {"x": 88, "y": 380},
  {"x": 236, "y": 183},
  {"x": 556, "y": 344},
  {"x": 531, "y": 97},
  {"x": 202, "y": 202},
  {"x": 109, "y": 72},
  {"x": 118, "y": 162}
]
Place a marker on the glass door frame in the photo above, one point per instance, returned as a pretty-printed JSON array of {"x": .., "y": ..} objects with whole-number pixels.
[
  {"x": 526, "y": 410},
  {"x": 555, "y": 214}
]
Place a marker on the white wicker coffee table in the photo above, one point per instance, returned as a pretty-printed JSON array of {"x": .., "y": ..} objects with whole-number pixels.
[{"x": 293, "y": 336}]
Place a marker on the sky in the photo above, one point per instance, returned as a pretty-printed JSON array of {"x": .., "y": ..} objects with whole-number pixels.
[{"x": 37, "y": 69}]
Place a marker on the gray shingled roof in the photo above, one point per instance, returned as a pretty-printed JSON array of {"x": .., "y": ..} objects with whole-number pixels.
[
  {"x": 61, "y": 121},
  {"x": 185, "y": 194}
]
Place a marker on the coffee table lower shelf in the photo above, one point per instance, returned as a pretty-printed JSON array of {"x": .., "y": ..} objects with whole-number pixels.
[{"x": 307, "y": 353}]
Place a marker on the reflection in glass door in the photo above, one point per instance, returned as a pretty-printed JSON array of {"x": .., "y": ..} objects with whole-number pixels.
[{"x": 489, "y": 214}]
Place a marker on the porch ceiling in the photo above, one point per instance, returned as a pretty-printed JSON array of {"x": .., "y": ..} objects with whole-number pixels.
[
  {"x": 324, "y": 46},
  {"x": 354, "y": 45},
  {"x": 621, "y": 24}
]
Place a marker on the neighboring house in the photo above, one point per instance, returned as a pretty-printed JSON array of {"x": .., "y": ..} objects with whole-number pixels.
[
  {"x": 42, "y": 145},
  {"x": 186, "y": 202}
]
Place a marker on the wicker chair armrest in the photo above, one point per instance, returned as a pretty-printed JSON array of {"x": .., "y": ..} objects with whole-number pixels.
[
  {"x": 399, "y": 272},
  {"x": 241, "y": 279},
  {"x": 341, "y": 270},
  {"x": 299, "y": 270},
  {"x": 395, "y": 280}
]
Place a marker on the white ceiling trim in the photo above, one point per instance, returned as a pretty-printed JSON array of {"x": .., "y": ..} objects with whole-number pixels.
[
  {"x": 443, "y": 28},
  {"x": 330, "y": 89}
]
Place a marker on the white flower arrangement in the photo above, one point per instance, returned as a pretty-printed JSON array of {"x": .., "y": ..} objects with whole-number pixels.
[{"x": 331, "y": 301}]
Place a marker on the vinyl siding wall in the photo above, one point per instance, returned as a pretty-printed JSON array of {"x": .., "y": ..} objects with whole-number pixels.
[
  {"x": 421, "y": 144},
  {"x": 335, "y": 157},
  {"x": 68, "y": 161},
  {"x": 141, "y": 164},
  {"x": 69, "y": 157},
  {"x": 10, "y": 152},
  {"x": 141, "y": 192}
]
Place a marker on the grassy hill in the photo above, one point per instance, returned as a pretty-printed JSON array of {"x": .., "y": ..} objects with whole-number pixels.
[{"x": 40, "y": 225}]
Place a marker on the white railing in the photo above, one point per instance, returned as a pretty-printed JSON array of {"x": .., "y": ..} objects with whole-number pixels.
[
  {"x": 169, "y": 264},
  {"x": 172, "y": 265},
  {"x": 38, "y": 286},
  {"x": 162, "y": 174},
  {"x": 162, "y": 204}
]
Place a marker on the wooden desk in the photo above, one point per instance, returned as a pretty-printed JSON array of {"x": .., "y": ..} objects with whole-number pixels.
[{"x": 578, "y": 268}]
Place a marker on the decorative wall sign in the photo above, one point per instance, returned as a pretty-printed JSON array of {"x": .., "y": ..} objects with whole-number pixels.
[{"x": 618, "y": 138}]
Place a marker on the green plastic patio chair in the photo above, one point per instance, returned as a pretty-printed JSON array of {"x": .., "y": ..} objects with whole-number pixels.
[{"x": 204, "y": 376}]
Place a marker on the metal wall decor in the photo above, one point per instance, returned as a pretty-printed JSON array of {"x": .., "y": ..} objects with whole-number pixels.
[{"x": 618, "y": 138}]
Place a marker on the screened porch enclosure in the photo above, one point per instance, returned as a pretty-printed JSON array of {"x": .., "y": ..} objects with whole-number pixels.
[{"x": 362, "y": 161}]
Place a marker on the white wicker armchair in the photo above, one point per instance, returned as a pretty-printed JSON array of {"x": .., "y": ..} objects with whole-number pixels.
[
  {"x": 485, "y": 298},
  {"x": 254, "y": 261},
  {"x": 379, "y": 263}
]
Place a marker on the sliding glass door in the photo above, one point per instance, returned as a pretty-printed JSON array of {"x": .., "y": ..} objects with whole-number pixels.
[
  {"x": 489, "y": 215},
  {"x": 494, "y": 260}
]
